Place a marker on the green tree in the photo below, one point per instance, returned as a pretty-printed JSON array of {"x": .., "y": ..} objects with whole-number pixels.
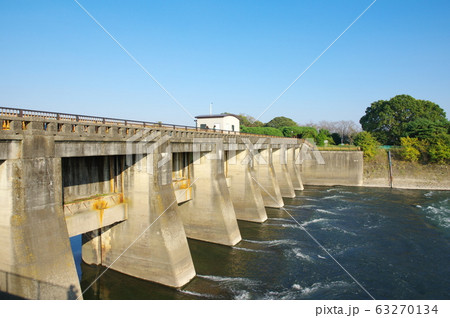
[
  {"x": 300, "y": 132},
  {"x": 368, "y": 143},
  {"x": 322, "y": 136},
  {"x": 249, "y": 121},
  {"x": 426, "y": 129},
  {"x": 337, "y": 138},
  {"x": 280, "y": 122},
  {"x": 387, "y": 120}
]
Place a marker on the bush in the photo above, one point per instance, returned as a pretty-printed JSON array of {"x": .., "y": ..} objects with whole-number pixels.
[
  {"x": 439, "y": 151},
  {"x": 262, "y": 131},
  {"x": 412, "y": 149},
  {"x": 368, "y": 143}
]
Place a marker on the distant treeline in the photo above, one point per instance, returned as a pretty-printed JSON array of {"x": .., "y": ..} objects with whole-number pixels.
[
  {"x": 332, "y": 133},
  {"x": 419, "y": 128}
]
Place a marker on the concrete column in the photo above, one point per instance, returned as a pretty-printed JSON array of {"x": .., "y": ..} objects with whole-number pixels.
[
  {"x": 293, "y": 169},
  {"x": 267, "y": 180},
  {"x": 152, "y": 239},
  {"x": 245, "y": 193},
  {"x": 36, "y": 259},
  {"x": 210, "y": 215},
  {"x": 279, "y": 157}
]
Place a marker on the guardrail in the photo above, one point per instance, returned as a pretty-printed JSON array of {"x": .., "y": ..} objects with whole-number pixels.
[{"x": 27, "y": 114}]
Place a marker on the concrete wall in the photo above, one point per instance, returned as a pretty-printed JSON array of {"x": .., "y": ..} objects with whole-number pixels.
[{"x": 339, "y": 168}]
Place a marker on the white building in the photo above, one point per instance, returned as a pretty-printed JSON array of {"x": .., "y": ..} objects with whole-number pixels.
[{"x": 224, "y": 122}]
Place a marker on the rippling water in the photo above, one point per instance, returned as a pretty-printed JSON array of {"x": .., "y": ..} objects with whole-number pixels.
[{"x": 395, "y": 243}]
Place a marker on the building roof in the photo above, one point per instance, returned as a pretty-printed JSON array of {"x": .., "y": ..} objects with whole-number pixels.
[{"x": 216, "y": 116}]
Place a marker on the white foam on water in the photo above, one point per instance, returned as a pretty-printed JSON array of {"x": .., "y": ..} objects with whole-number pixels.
[
  {"x": 311, "y": 199},
  {"x": 249, "y": 250},
  {"x": 332, "y": 197},
  {"x": 242, "y": 295},
  {"x": 274, "y": 295},
  {"x": 193, "y": 293},
  {"x": 298, "y": 253},
  {"x": 282, "y": 219},
  {"x": 293, "y": 226},
  {"x": 322, "y": 286},
  {"x": 320, "y": 256},
  {"x": 439, "y": 212},
  {"x": 441, "y": 215},
  {"x": 342, "y": 230},
  {"x": 314, "y": 221},
  {"x": 429, "y": 194},
  {"x": 273, "y": 242},
  {"x": 297, "y": 291},
  {"x": 325, "y": 211},
  {"x": 232, "y": 280}
]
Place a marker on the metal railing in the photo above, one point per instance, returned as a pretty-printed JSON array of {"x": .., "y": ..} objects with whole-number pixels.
[{"x": 27, "y": 114}]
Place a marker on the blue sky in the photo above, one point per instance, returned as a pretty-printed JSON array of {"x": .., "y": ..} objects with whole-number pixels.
[{"x": 240, "y": 55}]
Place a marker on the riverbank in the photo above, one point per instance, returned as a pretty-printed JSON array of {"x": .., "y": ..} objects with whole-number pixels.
[{"x": 406, "y": 175}]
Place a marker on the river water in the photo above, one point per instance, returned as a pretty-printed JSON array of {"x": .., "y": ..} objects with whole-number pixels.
[{"x": 395, "y": 243}]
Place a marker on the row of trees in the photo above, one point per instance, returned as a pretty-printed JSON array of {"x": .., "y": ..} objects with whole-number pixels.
[
  {"x": 419, "y": 128},
  {"x": 335, "y": 133}
]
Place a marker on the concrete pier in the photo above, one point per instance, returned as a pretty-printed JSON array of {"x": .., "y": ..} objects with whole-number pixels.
[
  {"x": 279, "y": 158},
  {"x": 267, "y": 180},
  {"x": 245, "y": 193},
  {"x": 210, "y": 215},
  {"x": 36, "y": 256},
  {"x": 293, "y": 168}
]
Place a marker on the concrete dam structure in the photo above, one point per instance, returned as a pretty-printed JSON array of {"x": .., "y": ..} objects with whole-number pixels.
[{"x": 135, "y": 191}]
